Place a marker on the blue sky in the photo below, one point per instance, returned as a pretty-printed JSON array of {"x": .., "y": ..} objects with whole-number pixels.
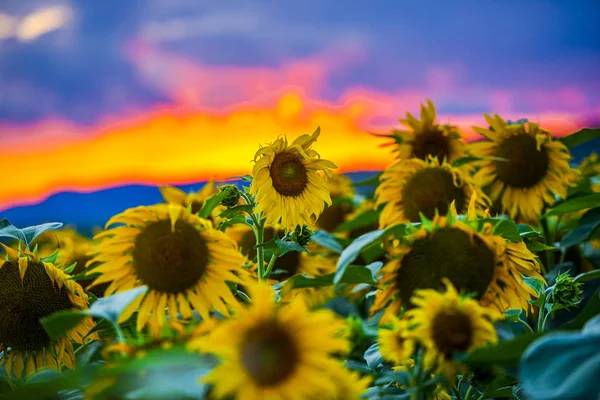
[{"x": 81, "y": 71}]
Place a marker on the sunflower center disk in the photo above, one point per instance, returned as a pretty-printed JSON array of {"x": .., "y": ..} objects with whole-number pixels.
[
  {"x": 527, "y": 165},
  {"x": 450, "y": 253},
  {"x": 429, "y": 190},
  {"x": 269, "y": 354},
  {"x": 431, "y": 143},
  {"x": 333, "y": 216},
  {"x": 288, "y": 264},
  {"x": 288, "y": 174},
  {"x": 452, "y": 332},
  {"x": 24, "y": 302},
  {"x": 170, "y": 262}
]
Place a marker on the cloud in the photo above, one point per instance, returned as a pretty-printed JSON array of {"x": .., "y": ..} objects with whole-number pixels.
[{"x": 35, "y": 24}]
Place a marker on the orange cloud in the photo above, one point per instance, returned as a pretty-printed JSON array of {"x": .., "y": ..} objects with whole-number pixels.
[
  {"x": 188, "y": 141},
  {"x": 167, "y": 147}
]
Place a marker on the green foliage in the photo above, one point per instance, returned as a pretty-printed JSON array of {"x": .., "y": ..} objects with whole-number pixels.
[
  {"x": 573, "y": 205},
  {"x": 211, "y": 203},
  {"x": 327, "y": 240},
  {"x": 27, "y": 234},
  {"x": 583, "y": 136},
  {"x": 587, "y": 226}
]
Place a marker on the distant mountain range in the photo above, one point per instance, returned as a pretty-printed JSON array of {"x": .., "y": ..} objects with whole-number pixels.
[{"x": 87, "y": 211}]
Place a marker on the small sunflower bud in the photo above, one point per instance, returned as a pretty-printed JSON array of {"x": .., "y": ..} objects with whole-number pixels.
[
  {"x": 301, "y": 235},
  {"x": 566, "y": 292},
  {"x": 232, "y": 195}
]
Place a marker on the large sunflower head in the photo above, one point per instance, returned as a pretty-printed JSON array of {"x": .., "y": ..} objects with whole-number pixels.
[
  {"x": 475, "y": 261},
  {"x": 425, "y": 138},
  {"x": 446, "y": 323},
  {"x": 274, "y": 351},
  {"x": 413, "y": 187},
  {"x": 183, "y": 261},
  {"x": 288, "y": 182},
  {"x": 535, "y": 168},
  {"x": 31, "y": 289},
  {"x": 342, "y": 195}
]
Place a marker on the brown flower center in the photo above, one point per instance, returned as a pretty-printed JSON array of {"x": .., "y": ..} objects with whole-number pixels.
[
  {"x": 170, "y": 262},
  {"x": 269, "y": 354},
  {"x": 24, "y": 302},
  {"x": 431, "y": 189},
  {"x": 288, "y": 174},
  {"x": 431, "y": 142},
  {"x": 447, "y": 253},
  {"x": 333, "y": 216},
  {"x": 452, "y": 332},
  {"x": 527, "y": 165}
]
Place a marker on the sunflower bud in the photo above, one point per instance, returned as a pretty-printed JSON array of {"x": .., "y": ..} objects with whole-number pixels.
[
  {"x": 232, "y": 195},
  {"x": 566, "y": 292},
  {"x": 301, "y": 235}
]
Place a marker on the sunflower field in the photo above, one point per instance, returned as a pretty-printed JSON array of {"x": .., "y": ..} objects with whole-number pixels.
[{"x": 463, "y": 271}]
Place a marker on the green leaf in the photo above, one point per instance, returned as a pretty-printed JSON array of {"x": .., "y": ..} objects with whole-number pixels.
[
  {"x": 28, "y": 234},
  {"x": 238, "y": 219},
  {"x": 373, "y": 357},
  {"x": 575, "y": 204},
  {"x": 111, "y": 307},
  {"x": 351, "y": 252},
  {"x": 52, "y": 257},
  {"x": 588, "y": 224},
  {"x": 588, "y": 276},
  {"x": 47, "y": 375},
  {"x": 527, "y": 232},
  {"x": 211, "y": 203},
  {"x": 535, "y": 247},
  {"x": 513, "y": 314},
  {"x": 327, "y": 240},
  {"x": 281, "y": 247},
  {"x": 535, "y": 283},
  {"x": 366, "y": 218},
  {"x": 506, "y": 228},
  {"x": 354, "y": 275},
  {"x": 59, "y": 323},
  {"x": 234, "y": 211},
  {"x": 505, "y": 353},
  {"x": 591, "y": 309},
  {"x": 244, "y": 178},
  {"x": 372, "y": 181},
  {"x": 583, "y": 136}
]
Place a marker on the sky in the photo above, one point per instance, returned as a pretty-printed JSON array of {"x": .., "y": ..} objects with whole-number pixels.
[{"x": 102, "y": 94}]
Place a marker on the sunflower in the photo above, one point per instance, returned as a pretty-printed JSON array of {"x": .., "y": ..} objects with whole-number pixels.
[
  {"x": 73, "y": 248},
  {"x": 194, "y": 201},
  {"x": 426, "y": 138},
  {"x": 313, "y": 264},
  {"x": 342, "y": 195},
  {"x": 537, "y": 169},
  {"x": 270, "y": 351},
  {"x": 438, "y": 392},
  {"x": 475, "y": 261},
  {"x": 288, "y": 186},
  {"x": 31, "y": 289},
  {"x": 411, "y": 187},
  {"x": 177, "y": 255},
  {"x": 393, "y": 343},
  {"x": 446, "y": 323},
  {"x": 350, "y": 385}
]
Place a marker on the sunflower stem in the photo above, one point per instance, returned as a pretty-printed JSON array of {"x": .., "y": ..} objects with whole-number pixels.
[
  {"x": 260, "y": 251},
  {"x": 417, "y": 372},
  {"x": 549, "y": 242},
  {"x": 540, "y": 323},
  {"x": 456, "y": 393},
  {"x": 270, "y": 266},
  {"x": 118, "y": 330},
  {"x": 526, "y": 324},
  {"x": 469, "y": 390}
]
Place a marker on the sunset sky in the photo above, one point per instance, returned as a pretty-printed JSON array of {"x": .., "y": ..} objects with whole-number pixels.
[{"x": 102, "y": 94}]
